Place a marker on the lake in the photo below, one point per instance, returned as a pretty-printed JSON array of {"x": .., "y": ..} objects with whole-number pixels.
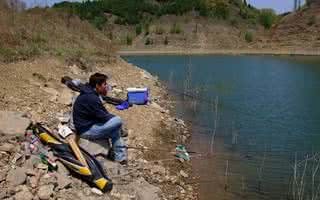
[{"x": 255, "y": 120}]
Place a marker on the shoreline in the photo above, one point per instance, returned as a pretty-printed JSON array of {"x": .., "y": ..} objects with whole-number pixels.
[{"x": 142, "y": 52}]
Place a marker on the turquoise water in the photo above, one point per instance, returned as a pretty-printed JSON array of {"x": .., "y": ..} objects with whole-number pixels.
[{"x": 267, "y": 114}]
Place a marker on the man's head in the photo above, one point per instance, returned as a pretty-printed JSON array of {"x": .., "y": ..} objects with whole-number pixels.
[{"x": 99, "y": 82}]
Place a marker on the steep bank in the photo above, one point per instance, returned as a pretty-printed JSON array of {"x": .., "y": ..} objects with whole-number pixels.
[{"x": 33, "y": 87}]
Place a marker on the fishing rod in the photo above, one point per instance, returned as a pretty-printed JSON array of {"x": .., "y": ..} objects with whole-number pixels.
[{"x": 152, "y": 149}]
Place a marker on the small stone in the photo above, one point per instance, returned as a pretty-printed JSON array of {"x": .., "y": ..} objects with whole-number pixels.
[
  {"x": 31, "y": 162},
  {"x": 7, "y": 147},
  {"x": 45, "y": 192},
  {"x": 42, "y": 166},
  {"x": 96, "y": 191},
  {"x": 16, "y": 158},
  {"x": 16, "y": 176},
  {"x": 3, "y": 194},
  {"x": 62, "y": 169},
  {"x": 34, "y": 181},
  {"x": 184, "y": 174},
  {"x": 31, "y": 172},
  {"x": 63, "y": 181},
  {"x": 3, "y": 175},
  {"x": 86, "y": 191}
]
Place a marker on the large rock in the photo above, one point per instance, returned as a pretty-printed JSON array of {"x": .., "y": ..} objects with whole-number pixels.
[
  {"x": 65, "y": 97},
  {"x": 45, "y": 192},
  {"x": 13, "y": 123},
  {"x": 145, "y": 191},
  {"x": 16, "y": 176},
  {"x": 25, "y": 194},
  {"x": 7, "y": 147},
  {"x": 95, "y": 147},
  {"x": 63, "y": 181}
]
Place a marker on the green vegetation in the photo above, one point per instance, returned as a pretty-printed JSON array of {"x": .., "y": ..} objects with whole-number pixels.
[
  {"x": 128, "y": 11},
  {"x": 175, "y": 29},
  {"x": 138, "y": 29},
  {"x": 248, "y": 37},
  {"x": 221, "y": 9},
  {"x": 267, "y": 18},
  {"x": 142, "y": 13},
  {"x": 129, "y": 40},
  {"x": 148, "y": 41}
]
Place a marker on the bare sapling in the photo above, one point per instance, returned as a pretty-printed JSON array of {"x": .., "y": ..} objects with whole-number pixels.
[
  {"x": 226, "y": 185},
  {"x": 216, "y": 102},
  {"x": 260, "y": 172}
]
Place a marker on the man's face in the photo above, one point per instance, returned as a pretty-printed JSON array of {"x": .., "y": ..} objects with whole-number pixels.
[{"x": 102, "y": 89}]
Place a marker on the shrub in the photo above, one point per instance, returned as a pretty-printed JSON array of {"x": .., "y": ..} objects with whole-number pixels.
[
  {"x": 129, "y": 40},
  {"x": 110, "y": 35},
  {"x": 267, "y": 18},
  {"x": 120, "y": 21},
  {"x": 138, "y": 29},
  {"x": 175, "y": 29},
  {"x": 234, "y": 22},
  {"x": 221, "y": 9},
  {"x": 166, "y": 41},
  {"x": 177, "y": 7},
  {"x": 159, "y": 30},
  {"x": 147, "y": 29},
  {"x": 248, "y": 37},
  {"x": 148, "y": 41},
  {"x": 312, "y": 20},
  {"x": 99, "y": 22}
]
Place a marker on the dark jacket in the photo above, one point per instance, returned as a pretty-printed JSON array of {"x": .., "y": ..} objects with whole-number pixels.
[{"x": 88, "y": 110}]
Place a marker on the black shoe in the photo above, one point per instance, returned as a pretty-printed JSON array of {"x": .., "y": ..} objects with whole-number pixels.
[
  {"x": 111, "y": 155},
  {"x": 124, "y": 132},
  {"x": 124, "y": 162}
]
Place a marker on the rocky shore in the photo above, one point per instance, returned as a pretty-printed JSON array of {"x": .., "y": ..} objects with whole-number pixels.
[{"x": 31, "y": 91}]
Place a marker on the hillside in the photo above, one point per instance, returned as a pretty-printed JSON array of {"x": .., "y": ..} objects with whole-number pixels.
[
  {"x": 175, "y": 23},
  {"x": 299, "y": 30},
  {"x": 36, "y": 32}
]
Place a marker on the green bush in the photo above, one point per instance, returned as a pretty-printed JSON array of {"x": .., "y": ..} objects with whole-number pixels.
[
  {"x": 148, "y": 41},
  {"x": 234, "y": 22},
  {"x": 147, "y": 29},
  {"x": 166, "y": 41},
  {"x": 138, "y": 29},
  {"x": 221, "y": 9},
  {"x": 175, "y": 29},
  {"x": 129, "y": 40},
  {"x": 248, "y": 37},
  {"x": 99, "y": 22},
  {"x": 130, "y": 11},
  {"x": 267, "y": 18},
  {"x": 177, "y": 7},
  {"x": 120, "y": 21}
]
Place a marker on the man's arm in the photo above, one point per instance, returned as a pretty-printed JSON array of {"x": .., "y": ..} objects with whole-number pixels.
[{"x": 98, "y": 111}]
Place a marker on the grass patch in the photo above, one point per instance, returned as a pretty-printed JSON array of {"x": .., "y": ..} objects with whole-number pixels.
[
  {"x": 248, "y": 37},
  {"x": 175, "y": 29}
]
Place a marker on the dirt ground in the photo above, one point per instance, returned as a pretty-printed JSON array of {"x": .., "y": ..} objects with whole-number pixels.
[{"x": 33, "y": 87}]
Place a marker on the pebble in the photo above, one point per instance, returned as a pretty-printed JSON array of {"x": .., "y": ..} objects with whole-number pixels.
[{"x": 96, "y": 191}]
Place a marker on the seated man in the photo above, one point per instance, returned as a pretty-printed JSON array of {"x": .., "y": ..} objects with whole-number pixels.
[{"x": 93, "y": 122}]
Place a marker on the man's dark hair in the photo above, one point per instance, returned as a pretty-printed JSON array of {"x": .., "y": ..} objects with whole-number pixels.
[{"x": 97, "y": 78}]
